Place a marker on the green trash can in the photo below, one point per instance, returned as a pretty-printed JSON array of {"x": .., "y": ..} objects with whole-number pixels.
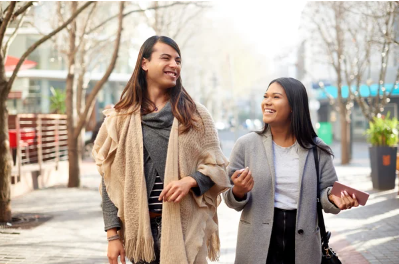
[{"x": 324, "y": 132}]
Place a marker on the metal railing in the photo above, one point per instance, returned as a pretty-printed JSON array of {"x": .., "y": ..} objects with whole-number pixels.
[{"x": 38, "y": 139}]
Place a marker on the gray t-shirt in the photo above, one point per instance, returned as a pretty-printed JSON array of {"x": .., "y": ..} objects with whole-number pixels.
[{"x": 286, "y": 164}]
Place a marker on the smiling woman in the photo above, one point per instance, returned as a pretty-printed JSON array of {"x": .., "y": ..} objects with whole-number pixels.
[
  {"x": 275, "y": 182},
  {"x": 162, "y": 166}
]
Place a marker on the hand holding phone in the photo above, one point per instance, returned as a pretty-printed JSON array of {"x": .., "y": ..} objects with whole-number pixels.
[{"x": 338, "y": 188}]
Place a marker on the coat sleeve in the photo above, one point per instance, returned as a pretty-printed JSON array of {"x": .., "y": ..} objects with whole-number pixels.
[
  {"x": 237, "y": 162},
  {"x": 327, "y": 178},
  {"x": 110, "y": 212}
]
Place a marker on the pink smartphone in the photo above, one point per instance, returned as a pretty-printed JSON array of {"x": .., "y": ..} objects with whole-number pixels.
[{"x": 339, "y": 187}]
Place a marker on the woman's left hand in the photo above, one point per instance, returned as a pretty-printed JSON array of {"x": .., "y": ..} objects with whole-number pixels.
[
  {"x": 176, "y": 190},
  {"x": 345, "y": 201}
]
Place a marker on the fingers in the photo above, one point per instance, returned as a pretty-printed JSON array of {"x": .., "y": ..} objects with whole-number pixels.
[
  {"x": 344, "y": 201},
  {"x": 251, "y": 184},
  {"x": 123, "y": 257},
  {"x": 113, "y": 259},
  {"x": 356, "y": 201},
  {"x": 112, "y": 256},
  {"x": 236, "y": 174},
  {"x": 242, "y": 177},
  {"x": 115, "y": 248},
  {"x": 240, "y": 174},
  {"x": 247, "y": 180},
  {"x": 178, "y": 199},
  {"x": 165, "y": 191},
  {"x": 347, "y": 201},
  {"x": 350, "y": 200},
  {"x": 173, "y": 196},
  {"x": 244, "y": 174},
  {"x": 175, "y": 191}
]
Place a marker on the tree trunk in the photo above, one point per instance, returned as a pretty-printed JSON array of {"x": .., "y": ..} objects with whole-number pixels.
[
  {"x": 73, "y": 152},
  {"x": 345, "y": 157},
  {"x": 74, "y": 158},
  {"x": 5, "y": 160}
]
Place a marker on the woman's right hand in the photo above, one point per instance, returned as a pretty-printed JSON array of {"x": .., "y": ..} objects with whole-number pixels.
[
  {"x": 115, "y": 249},
  {"x": 243, "y": 182}
]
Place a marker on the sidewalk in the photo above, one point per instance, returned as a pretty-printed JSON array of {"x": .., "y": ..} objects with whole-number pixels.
[
  {"x": 75, "y": 233},
  {"x": 368, "y": 234}
]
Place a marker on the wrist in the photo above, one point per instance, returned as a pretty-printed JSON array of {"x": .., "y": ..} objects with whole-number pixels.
[
  {"x": 112, "y": 232},
  {"x": 191, "y": 181},
  {"x": 112, "y": 238},
  {"x": 237, "y": 194}
]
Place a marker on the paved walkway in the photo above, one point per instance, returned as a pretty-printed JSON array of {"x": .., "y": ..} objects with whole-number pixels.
[{"x": 75, "y": 233}]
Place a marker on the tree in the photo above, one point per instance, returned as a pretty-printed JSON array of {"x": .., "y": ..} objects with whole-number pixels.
[
  {"x": 177, "y": 22},
  {"x": 78, "y": 109},
  {"x": 15, "y": 11},
  {"x": 328, "y": 18},
  {"x": 382, "y": 16},
  {"x": 87, "y": 47},
  {"x": 353, "y": 36}
]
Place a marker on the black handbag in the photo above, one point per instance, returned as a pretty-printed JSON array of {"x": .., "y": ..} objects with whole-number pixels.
[{"x": 328, "y": 255}]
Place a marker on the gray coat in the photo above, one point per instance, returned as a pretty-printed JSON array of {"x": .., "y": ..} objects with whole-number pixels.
[{"x": 256, "y": 222}]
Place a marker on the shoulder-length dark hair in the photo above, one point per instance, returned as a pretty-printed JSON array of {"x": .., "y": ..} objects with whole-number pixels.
[
  {"x": 301, "y": 124},
  {"x": 135, "y": 92}
]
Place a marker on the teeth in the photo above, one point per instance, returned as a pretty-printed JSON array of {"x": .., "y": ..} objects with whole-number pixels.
[
  {"x": 269, "y": 111},
  {"x": 171, "y": 74}
]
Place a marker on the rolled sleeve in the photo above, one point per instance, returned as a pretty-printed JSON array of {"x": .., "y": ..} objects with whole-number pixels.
[
  {"x": 328, "y": 206},
  {"x": 232, "y": 202},
  {"x": 204, "y": 183}
]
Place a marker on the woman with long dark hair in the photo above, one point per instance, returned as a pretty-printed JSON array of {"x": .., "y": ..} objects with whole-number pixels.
[
  {"x": 161, "y": 165},
  {"x": 275, "y": 182}
]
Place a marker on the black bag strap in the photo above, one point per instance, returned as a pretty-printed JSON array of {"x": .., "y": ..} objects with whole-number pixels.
[{"x": 323, "y": 233}]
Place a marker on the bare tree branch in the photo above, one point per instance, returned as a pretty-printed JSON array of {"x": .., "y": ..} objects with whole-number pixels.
[
  {"x": 59, "y": 13},
  {"x": 5, "y": 9},
  {"x": 325, "y": 40},
  {"x": 80, "y": 81},
  {"x": 91, "y": 99},
  {"x": 136, "y": 11},
  {"x": 5, "y": 22},
  {"x": 40, "y": 41},
  {"x": 13, "y": 35},
  {"x": 84, "y": 27},
  {"x": 22, "y": 10},
  {"x": 186, "y": 22}
]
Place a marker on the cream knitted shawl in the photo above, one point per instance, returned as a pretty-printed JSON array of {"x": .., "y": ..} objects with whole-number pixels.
[{"x": 189, "y": 228}]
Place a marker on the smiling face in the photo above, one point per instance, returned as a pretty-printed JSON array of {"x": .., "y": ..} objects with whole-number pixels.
[
  {"x": 163, "y": 68},
  {"x": 275, "y": 106}
]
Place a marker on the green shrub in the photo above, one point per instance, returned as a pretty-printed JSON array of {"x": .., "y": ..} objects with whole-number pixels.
[
  {"x": 57, "y": 101},
  {"x": 383, "y": 131}
]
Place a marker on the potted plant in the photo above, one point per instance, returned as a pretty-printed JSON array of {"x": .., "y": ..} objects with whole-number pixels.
[{"x": 383, "y": 137}]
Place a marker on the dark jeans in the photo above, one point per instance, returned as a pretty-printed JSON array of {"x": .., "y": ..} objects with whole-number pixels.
[
  {"x": 156, "y": 226},
  {"x": 282, "y": 242}
]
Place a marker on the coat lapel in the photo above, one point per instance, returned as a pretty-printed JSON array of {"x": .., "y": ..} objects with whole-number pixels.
[
  {"x": 268, "y": 144},
  {"x": 303, "y": 154}
]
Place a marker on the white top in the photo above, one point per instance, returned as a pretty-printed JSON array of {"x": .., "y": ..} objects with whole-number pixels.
[{"x": 286, "y": 164}]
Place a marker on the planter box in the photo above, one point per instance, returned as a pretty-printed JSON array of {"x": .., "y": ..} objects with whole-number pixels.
[{"x": 383, "y": 167}]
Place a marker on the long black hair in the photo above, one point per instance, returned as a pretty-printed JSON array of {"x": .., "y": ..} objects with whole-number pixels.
[{"x": 301, "y": 124}]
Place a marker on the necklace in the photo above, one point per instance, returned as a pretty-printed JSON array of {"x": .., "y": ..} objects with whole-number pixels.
[{"x": 156, "y": 107}]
